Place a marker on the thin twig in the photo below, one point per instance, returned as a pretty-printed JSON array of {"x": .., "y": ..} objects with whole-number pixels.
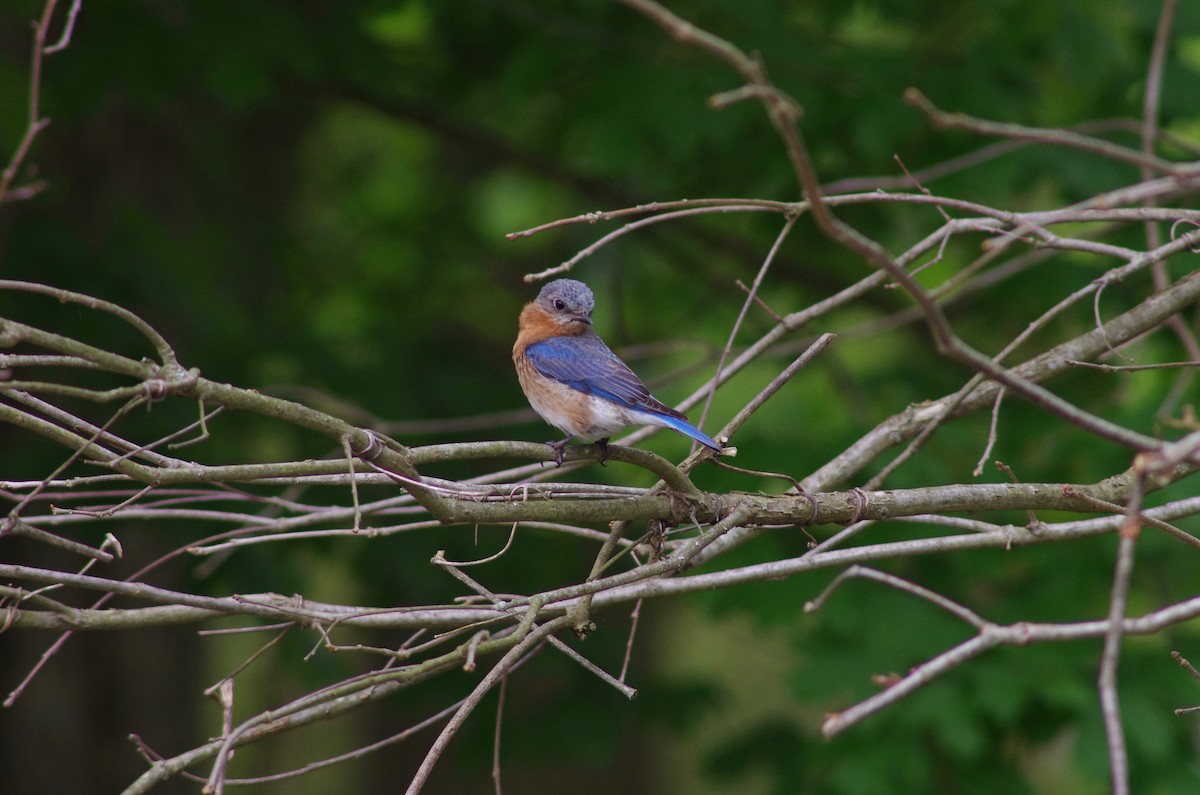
[
  {"x": 534, "y": 638},
  {"x": 737, "y": 323},
  {"x": 991, "y": 438},
  {"x": 603, "y": 675},
  {"x": 1110, "y": 707},
  {"x": 496, "y": 742},
  {"x": 634, "y": 617},
  {"x": 960, "y": 121}
]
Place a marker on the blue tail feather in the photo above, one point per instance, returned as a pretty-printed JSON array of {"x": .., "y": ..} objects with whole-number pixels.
[{"x": 687, "y": 429}]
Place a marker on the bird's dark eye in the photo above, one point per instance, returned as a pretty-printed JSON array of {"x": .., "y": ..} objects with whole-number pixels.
[{"x": 560, "y": 304}]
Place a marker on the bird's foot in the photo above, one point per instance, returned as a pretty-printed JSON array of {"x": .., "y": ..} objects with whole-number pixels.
[
  {"x": 603, "y": 445},
  {"x": 558, "y": 448}
]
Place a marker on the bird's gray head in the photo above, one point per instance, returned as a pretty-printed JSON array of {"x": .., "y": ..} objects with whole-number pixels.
[{"x": 567, "y": 300}]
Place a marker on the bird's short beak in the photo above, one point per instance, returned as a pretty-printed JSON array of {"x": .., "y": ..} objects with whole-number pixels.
[{"x": 584, "y": 319}]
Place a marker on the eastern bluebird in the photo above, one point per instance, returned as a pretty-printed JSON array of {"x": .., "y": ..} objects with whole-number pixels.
[{"x": 575, "y": 382}]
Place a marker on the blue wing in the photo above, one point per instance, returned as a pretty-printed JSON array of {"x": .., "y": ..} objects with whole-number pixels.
[{"x": 585, "y": 363}]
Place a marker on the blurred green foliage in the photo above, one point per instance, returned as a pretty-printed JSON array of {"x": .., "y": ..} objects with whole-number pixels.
[{"x": 313, "y": 195}]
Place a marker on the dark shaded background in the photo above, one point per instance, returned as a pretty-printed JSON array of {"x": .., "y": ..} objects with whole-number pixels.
[{"x": 310, "y": 198}]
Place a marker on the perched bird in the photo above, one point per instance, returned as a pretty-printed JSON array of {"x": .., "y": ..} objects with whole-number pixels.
[{"x": 575, "y": 382}]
